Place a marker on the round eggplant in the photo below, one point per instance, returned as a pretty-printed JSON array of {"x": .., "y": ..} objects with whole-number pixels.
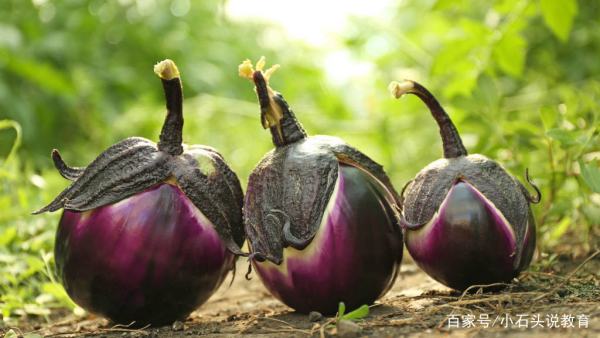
[
  {"x": 321, "y": 217},
  {"x": 149, "y": 231},
  {"x": 467, "y": 221}
]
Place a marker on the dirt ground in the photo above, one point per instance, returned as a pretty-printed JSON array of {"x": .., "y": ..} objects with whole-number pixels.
[{"x": 560, "y": 299}]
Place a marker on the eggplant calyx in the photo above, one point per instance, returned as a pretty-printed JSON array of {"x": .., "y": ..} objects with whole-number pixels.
[
  {"x": 253, "y": 256},
  {"x": 410, "y": 226},
  {"x": 275, "y": 113},
  {"x": 401, "y": 196},
  {"x": 289, "y": 239},
  {"x": 66, "y": 171},
  {"x": 351, "y": 156},
  {"x": 531, "y": 199},
  {"x": 171, "y": 140},
  {"x": 452, "y": 143},
  {"x": 259, "y": 257},
  {"x": 135, "y": 164}
]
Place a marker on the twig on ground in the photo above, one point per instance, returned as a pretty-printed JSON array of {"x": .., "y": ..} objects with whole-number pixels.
[
  {"x": 289, "y": 327},
  {"x": 269, "y": 329},
  {"x": 278, "y": 321},
  {"x": 482, "y": 286},
  {"x": 115, "y": 328}
]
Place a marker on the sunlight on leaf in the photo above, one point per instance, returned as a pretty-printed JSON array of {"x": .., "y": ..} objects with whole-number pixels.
[
  {"x": 559, "y": 16},
  {"x": 560, "y": 229},
  {"x": 510, "y": 53},
  {"x": 591, "y": 175},
  {"x": 549, "y": 116}
]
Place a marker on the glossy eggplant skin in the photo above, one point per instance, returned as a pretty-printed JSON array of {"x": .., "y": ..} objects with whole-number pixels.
[
  {"x": 469, "y": 241},
  {"x": 354, "y": 257},
  {"x": 151, "y": 258}
]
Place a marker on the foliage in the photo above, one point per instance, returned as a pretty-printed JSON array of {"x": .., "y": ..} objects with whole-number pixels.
[
  {"x": 358, "y": 313},
  {"x": 27, "y": 283},
  {"x": 519, "y": 78}
]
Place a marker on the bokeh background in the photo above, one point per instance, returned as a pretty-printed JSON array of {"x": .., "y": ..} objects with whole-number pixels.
[{"x": 520, "y": 79}]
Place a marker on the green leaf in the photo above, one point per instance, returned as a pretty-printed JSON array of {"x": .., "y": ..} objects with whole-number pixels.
[
  {"x": 359, "y": 313},
  {"x": 558, "y": 16},
  {"x": 509, "y": 53},
  {"x": 590, "y": 175},
  {"x": 566, "y": 137},
  {"x": 448, "y": 4},
  {"x": 592, "y": 213},
  {"x": 42, "y": 74},
  {"x": 11, "y": 334},
  {"x": 58, "y": 292},
  {"x": 7, "y": 235},
  {"x": 560, "y": 229},
  {"x": 341, "y": 309},
  {"x": 549, "y": 117}
]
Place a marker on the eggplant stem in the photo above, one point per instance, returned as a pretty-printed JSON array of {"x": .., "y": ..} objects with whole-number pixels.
[
  {"x": 538, "y": 197},
  {"x": 451, "y": 141},
  {"x": 269, "y": 114},
  {"x": 275, "y": 113},
  {"x": 70, "y": 173},
  {"x": 171, "y": 134}
]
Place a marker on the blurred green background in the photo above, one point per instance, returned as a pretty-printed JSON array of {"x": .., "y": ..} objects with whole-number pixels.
[{"x": 521, "y": 80}]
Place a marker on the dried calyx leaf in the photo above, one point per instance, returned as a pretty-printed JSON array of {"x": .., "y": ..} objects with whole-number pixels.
[
  {"x": 136, "y": 164},
  {"x": 290, "y": 188},
  {"x": 70, "y": 173}
]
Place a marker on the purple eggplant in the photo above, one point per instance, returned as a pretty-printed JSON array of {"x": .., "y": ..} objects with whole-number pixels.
[
  {"x": 149, "y": 231},
  {"x": 321, "y": 217},
  {"x": 467, "y": 221}
]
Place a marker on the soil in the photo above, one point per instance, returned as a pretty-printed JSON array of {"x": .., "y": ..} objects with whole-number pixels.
[{"x": 558, "y": 292}]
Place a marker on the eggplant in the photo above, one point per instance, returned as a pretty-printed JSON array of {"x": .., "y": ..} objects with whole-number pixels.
[
  {"x": 321, "y": 217},
  {"x": 149, "y": 231},
  {"x": 467, "y": 221}
]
